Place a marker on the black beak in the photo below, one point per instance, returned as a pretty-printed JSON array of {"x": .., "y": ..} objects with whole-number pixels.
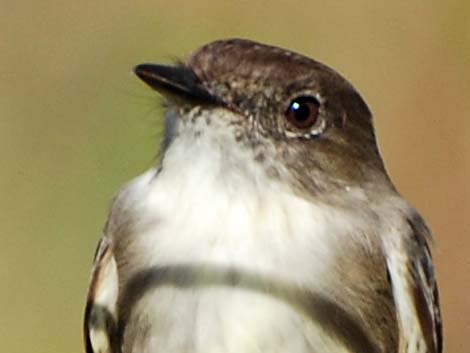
[{"x": 175, "y": 83}]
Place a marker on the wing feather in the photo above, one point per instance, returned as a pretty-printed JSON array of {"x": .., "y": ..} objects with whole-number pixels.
[
  {"x": 414, "y": 289},
  {"x": 100, "y": 324}
]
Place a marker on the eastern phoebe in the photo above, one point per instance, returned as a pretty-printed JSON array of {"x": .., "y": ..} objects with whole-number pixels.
[{"x": 269, "y": 225}]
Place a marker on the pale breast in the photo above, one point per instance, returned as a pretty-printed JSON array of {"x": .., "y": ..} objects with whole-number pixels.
[{"x": 218, "y": 260}]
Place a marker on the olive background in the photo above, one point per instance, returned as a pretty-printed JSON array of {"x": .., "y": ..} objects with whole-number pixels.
[{"x": 75, "y": 124}]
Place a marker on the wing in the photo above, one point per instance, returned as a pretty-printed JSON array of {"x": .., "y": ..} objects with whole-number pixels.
[
  {"x": 414, "y": 289},
  {"x": 100, "y": 323}
]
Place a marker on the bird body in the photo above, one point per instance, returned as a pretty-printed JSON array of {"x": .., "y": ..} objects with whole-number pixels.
[{"x": 223, "y": 248}]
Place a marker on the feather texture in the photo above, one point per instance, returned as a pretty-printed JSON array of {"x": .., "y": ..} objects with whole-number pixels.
[
  {"x": 101, "y": 315},
  {"x": 414, "y": 288}
]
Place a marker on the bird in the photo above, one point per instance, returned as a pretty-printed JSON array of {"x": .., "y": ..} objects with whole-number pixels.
[{"x": 269, "y": 223}]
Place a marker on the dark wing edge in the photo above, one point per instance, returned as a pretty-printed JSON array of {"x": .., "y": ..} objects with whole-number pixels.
[
  {"x": 100, "y": 321},
  {"x": 415, "y": 289}
]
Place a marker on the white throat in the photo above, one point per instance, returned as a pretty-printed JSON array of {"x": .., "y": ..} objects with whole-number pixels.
[
  {"x": 213, "y": 208},
  {"x": 212, "y": 202}
]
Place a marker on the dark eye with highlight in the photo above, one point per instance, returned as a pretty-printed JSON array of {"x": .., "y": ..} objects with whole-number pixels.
[{"x": 303, "y": 112}]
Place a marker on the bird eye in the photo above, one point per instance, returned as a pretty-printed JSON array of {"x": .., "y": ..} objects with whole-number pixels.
[{"x": 303, "y": 112}]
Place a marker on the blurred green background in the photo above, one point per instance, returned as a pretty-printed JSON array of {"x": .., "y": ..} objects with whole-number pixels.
[{"x": 75, "y": 125}]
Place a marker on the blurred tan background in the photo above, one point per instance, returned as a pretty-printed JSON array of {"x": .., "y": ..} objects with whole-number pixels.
[{"x": 75, "y": 125}]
